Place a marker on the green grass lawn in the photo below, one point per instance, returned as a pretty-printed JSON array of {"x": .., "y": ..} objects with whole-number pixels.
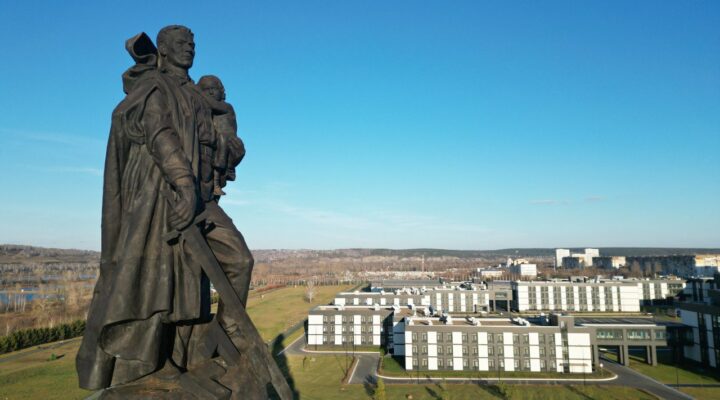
[
  {"x": 278, "y": 310},
  {"x": 394, "y": 367},
  {"x": 320, "y": 379},
  {"x": 665, "y": 371},
  {"x": 313, "y": 377},
  {"x": 686, "y": 373},
  {"x": 35, "y": 377}
]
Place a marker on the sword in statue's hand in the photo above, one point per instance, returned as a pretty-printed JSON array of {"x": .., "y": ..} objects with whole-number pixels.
[{"x": 257, "y": 351}]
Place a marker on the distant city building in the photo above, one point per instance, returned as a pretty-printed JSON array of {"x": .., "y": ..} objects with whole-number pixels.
[
  {"x": 559, "y": 255},
  {"x": 680, "y": 265},
  {"x": 589, "y": 255},
  {"x": 491, "y": 273},
  {"x": 578, "y": 260},
  {"x": 524, "y": 270},
  {"x": 700, "y": 311},
  {"x": 704, "y": 271},
  {"x": 573, "y": 262},
  {"x": 608, "y": 262},
  {"x": 392, "y": 284}
]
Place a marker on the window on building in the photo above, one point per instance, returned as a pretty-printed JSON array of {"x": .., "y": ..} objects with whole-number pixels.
[
  {"x": 449, "y": 362},
  {"x": 414, "y": 336},
  {"x": 448, "y": 336},
  {"x": 516, "y": 362},
  {"x": 441, "y": 362},
  {"x": 491, "y": 363},
  {"x": 449, "y": 350},
  {"x": 501, "y": 350},
  {"x": 542, "y": 351},
  {"x": 541, "y": 338},
  {"x": 473, "y": 338},
  {"x": 440, "y": 349},
  {"x": 490, "y": 338},
  {"x": 424, "y": 337},
  {"x": 474, "y": 350},
  {"x": 543, "y": 365},
  {"x": 525, "y": 338},
  {"x": 499, "y": 337},
  {"x": 424, "y": 362},
  {"x": 527, "y": 365},
  {"x": 501, "y": 363},
  {"x": 414, "y": 350},
  {"x": 491, "y": 350},
  {"x": 465, "y": 362},
  {"x": 464, "y": 337},
  {"x": 465, "y": 350},
  {"x": 415, "y": 361},
  {"x": 516, "y": 338}
]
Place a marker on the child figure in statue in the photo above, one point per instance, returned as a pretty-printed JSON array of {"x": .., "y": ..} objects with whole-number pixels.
[{"x": 229, "y": 149}]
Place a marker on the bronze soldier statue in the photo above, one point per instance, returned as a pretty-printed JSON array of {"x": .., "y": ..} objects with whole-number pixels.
[{"x": 165, "y": 239}]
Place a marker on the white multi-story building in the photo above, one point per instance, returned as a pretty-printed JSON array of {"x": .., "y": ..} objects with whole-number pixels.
[
  {"x": 577, "y": 296},
  {"x": 559, "y": 255},
  {"x": 491, "y": 344},
  {"x": 465, "y": 298},
  {"x": 351, "y": 325},
  {"x": 700, "y": 312},
  {"x": 524, "y": 270},
  {"x": 425, "y": 342}
]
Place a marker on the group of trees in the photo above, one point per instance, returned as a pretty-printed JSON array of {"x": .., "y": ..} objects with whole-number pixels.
[{"x": 24, "y": 338}]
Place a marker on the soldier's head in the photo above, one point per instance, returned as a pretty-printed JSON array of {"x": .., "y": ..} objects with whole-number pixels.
[
  {"x": 212, "y": 86},
  {"x": 176, "y": 46}
]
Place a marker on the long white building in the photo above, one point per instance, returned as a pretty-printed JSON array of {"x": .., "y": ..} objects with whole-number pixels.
[{"x": 564, "y": 295}]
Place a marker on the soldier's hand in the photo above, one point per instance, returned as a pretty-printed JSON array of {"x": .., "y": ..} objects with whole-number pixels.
[{"x": 183, "y": 211}]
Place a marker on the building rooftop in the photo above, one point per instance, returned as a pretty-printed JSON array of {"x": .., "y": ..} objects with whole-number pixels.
[{"x": 614, "y": 321}]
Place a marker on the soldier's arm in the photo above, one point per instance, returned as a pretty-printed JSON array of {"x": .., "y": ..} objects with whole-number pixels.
[{"x": 163, "y": 142}]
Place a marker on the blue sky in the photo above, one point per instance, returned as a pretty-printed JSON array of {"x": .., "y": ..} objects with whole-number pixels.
[{"x": 470, "y": 125}]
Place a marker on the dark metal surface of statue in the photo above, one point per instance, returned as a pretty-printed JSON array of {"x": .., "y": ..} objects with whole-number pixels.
[{"x": 150, "y": 334}]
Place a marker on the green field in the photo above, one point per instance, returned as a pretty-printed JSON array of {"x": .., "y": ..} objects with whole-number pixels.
[
  {"x": 320, "y": 379},
  {"x": 275, "y": 311},
  {"x": 686, "y": 373},
  {"x": 33, "y": 377}
]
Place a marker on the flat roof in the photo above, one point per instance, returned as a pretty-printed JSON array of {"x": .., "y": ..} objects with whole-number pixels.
[{"x": 613, "y": 321}]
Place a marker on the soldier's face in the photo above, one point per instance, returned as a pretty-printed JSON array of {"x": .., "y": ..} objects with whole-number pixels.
[{"x": 180, "y": 49}]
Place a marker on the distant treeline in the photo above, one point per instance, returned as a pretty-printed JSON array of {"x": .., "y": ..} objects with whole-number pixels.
[
  {"x": 516, "y": 252},
  {"x": 32, "y": 337}
]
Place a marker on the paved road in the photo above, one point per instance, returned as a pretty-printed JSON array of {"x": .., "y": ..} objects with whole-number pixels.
[{"x": 632, "y": 378}]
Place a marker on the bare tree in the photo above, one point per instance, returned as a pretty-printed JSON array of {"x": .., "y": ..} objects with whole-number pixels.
[{"x": 310, "y": 290}]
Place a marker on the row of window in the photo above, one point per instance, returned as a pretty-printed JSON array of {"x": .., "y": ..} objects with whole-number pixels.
[
  {"x": 491, "y": 337},
  {"x": 365, "y": 339},
  {"x": 491, "y": 350},
  {"x": 520, "y": 365},
  {"x": 350, "y": 328}
]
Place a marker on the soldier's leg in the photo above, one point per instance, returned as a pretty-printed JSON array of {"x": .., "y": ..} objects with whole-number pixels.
[{"x": 233, "y": 255}]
